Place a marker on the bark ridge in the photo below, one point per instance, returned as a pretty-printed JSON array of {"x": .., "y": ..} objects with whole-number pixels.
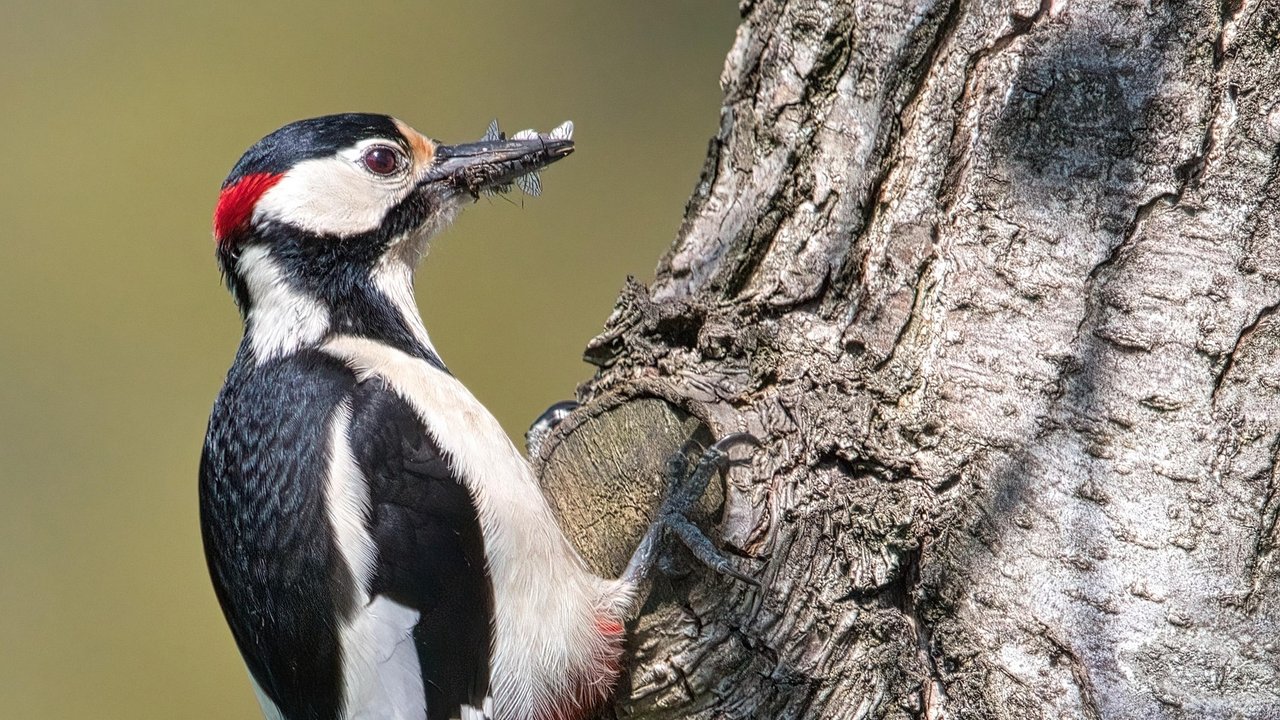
[{"x": 998, "y": 284}]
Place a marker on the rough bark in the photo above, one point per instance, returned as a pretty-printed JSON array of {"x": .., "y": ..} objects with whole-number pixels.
[{"x": 997, "y": 284}]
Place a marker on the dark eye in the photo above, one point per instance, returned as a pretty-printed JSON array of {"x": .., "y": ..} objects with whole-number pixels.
[{"x": 381, "y": 160}]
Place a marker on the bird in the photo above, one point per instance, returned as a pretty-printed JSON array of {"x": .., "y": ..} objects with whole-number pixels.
[{"x": 378, "y": 546}]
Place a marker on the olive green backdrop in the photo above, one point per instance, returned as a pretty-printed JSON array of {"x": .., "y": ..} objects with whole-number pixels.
[{"x": 120, "y": 120}]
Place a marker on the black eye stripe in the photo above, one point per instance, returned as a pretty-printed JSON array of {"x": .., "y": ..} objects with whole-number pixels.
[{"x": 381, "y": 160}]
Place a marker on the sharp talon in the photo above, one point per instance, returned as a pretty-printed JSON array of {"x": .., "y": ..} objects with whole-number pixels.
[
  {"x": 728, "y": 441},
  {"x": 724, "y": 567},
  {"x": 741, "y": 576},
  {"x": 546, "y": 422},
  {"x": 562, "y": 408},
  {"x": 718, "y": 452}
]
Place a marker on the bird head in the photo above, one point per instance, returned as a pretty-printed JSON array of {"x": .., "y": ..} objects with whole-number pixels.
[{"x": 320, "y": 204}]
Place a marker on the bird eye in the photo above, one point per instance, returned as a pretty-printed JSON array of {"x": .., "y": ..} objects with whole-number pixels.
[{"x": 381, "y": 160}]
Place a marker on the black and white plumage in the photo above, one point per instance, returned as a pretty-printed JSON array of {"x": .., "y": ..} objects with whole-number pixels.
[
  {"x": 379, "y": 547},
  {"x": 341, "y": 506}
]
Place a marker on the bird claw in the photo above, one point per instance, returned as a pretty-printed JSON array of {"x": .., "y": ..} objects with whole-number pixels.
[
  {"x": 541, "y": 428},
  {"x": 685, "y": 490},
  {"x": 728, "y": 441},
  {"x": 692, "y": 537},
  {"x": 723, "y": 445}
]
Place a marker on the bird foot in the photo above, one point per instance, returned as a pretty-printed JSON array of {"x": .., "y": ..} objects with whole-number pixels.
[{"x": 684, "y": 489}]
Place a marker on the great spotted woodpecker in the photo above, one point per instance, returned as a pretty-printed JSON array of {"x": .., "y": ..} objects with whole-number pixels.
[{"x": 379, "y": 547}]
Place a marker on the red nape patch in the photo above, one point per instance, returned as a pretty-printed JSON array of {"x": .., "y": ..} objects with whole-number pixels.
[{"x": 235, "y": 204}]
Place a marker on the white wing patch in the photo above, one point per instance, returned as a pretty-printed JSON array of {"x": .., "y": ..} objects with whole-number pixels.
[
  {"x": 380, "y": 670},
  {"x": 347, "y": 503},
  {"x": 481, "y": 713}
]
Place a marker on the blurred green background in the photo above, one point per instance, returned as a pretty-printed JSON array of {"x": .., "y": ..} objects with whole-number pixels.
[{"x": 121, "y": 120}]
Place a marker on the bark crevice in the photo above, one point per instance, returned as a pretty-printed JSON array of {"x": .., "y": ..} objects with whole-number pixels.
[{"x": 997, "y": 285}]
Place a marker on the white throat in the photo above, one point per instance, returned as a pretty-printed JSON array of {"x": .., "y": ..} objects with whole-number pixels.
[{"x": 393, "y": 274}]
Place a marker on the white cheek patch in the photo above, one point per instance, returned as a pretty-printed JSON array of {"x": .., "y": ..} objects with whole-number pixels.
[
  {"x": 332, "y": 196},
  {"x": 281, "y": 318}
]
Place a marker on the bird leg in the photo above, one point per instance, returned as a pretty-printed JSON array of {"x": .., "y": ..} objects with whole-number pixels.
[{"x": 684, "y": 489}]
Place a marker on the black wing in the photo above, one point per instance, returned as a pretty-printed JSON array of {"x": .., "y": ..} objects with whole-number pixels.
[
  {"x": 430, "y": 547},
  {"x": 275, "y": 564}
]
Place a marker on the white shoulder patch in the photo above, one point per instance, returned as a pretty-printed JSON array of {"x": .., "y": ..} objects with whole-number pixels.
[
  {"x": 545, "y": 599},
  {"x": 347, "y": 502}
]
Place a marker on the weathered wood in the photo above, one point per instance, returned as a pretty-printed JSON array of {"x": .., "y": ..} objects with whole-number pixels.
[
  {"x": 997, "y": 284},
  {"x": 613, "y": 459}
]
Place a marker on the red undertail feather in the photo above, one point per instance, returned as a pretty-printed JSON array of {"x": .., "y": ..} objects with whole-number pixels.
[
  {"x": 590, "y": 692},
  {"x": 236, "y": 203}
]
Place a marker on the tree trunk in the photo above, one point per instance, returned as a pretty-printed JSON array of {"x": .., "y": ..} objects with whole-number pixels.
[{"x": 997, "y": 284}]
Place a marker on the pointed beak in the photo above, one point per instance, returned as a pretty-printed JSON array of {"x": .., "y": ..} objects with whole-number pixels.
[{"x": 493, "y": 164}]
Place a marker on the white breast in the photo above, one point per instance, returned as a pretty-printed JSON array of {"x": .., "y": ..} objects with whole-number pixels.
[{"x": 546, "y": 601}]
